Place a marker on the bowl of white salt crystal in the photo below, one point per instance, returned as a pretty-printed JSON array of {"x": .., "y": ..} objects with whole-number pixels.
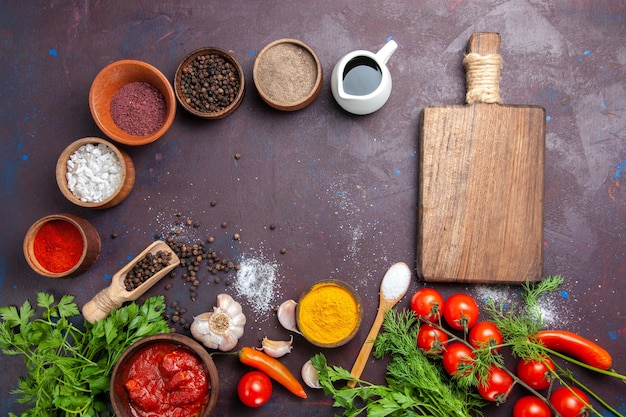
[{"x": 92, "y": 172}]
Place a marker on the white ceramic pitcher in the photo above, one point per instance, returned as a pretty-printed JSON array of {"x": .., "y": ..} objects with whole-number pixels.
[{"x": 361, "y": 81}]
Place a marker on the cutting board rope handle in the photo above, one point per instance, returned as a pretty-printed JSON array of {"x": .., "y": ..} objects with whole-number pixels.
[{"x": 482, "y": 68}]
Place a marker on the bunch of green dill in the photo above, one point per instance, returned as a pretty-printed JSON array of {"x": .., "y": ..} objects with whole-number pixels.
[{"x": 415, "y": 385}]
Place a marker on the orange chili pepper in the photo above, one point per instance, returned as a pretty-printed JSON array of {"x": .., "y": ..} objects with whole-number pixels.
[
  {"x": 576, "y": 346},
  {"x": 273, "y": 368}
]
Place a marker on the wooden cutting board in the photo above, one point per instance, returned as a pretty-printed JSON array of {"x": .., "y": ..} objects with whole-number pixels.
[{"x": 480, "y": 199}]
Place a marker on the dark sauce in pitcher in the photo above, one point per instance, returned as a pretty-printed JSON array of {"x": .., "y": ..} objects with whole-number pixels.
[{"x": 361, "y": 76}]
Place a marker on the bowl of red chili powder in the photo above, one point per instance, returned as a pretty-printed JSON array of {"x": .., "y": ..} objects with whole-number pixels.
[
  {"x": 61, "y": 245},
  {"x": 132, "y": 102},
  {"x": 166, "y": 375}
]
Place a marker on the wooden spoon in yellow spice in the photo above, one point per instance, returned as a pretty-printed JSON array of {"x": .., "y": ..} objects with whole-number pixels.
[{"x": 394, "y": 285}]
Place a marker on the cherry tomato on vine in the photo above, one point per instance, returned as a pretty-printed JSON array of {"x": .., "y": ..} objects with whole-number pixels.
[
  {"x": 531, "y": 406},
  {"x": 536, "y": 373},
  {"x": 428, "y": 304},
  {"x": 456, "y": 357},
  {"x": 254, "y": 388},
  {"x": 567, "y": 402},
  {"x": 460, "y": 311},
  {"x": 431, "y": 340},
  {"x": 497, "y": 386},
  {"x": 484, "y": 334}
]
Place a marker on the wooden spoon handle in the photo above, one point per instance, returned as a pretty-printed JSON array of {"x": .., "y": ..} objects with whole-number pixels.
[
  {"x": 366, "y": 349},
  {"x": 101, "y": 305}
]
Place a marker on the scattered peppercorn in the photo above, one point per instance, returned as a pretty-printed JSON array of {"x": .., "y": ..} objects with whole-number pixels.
[
  {"x": 191, "y": 257},
  {"x": 237, "y": 156}
]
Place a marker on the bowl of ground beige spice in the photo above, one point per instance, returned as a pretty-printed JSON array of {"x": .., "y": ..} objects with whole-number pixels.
[
  {"x": 132, "y": 102},
  {"x": 287, "y": 74},
  {"x": 329, "y": 313}
]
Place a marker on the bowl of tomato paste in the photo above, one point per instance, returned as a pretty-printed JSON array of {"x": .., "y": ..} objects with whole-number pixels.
[{"x": 169, "y": 375}]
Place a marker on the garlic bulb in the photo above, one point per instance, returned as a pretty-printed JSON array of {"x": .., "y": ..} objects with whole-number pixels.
[
  {"x": 310, "y": 376},
  {"x": 276, "y": 348},
  {"x": 222, "y": 327},
  {"x": 287, "y": 315}
]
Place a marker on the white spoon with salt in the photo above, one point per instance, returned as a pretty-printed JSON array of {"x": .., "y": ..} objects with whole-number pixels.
[{"x": 394, "y": 285}]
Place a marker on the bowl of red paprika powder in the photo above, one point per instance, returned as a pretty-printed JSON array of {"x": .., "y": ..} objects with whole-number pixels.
[
  {"x": 175, "y": 370},
  {"x": 61, "y": 245},
  {"x": 132, "y": 102}
]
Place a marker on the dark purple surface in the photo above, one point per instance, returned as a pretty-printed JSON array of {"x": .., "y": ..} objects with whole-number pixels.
[{"x": 340, "y": 189}]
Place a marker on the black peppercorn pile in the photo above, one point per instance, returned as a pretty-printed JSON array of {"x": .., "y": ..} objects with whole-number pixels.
[
  {"x": 146, "y": 268},
  {"x": 210, "y": 83}
]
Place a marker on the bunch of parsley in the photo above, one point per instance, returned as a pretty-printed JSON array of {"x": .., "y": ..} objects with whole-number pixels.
[{"x": 68, "y": 368}]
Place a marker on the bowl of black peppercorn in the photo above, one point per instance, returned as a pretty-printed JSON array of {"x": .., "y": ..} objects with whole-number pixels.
[{"x": 209, "y": 83}]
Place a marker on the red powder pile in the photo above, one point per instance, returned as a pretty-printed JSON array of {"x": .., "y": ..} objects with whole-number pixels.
[
  {"x": 138, "y": 108},
  {"x": 58, "y": 246}
]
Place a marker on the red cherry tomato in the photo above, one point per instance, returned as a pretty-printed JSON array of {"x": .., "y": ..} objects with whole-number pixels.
[
  {"x": 254, "y": 389},
  {"x": 497, "y": 386},
  {"x": 531, "y": 406},
  {"x": 457, "y": 357},
  {"x": 537, "y": 373},
  {"x": 567, "y": 402},
  {"x": 460, "y": 311},
  {"x": 428, "y": 304},
  {"x": 484, "y": 334},
  {"x": 431, "y": 340}
]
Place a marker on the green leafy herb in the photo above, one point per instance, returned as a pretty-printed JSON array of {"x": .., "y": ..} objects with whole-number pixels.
[
  {"x": 521, "y": 322},
  {"x": 68, "y": 368},
  {"x": 415, "y": 385}
]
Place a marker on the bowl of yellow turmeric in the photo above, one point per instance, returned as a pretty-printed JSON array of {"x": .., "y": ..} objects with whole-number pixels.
[{"x": 329, "y": 313}]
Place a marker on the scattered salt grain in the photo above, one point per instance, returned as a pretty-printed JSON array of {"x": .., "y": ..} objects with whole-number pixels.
[
  {"x": 548, "y": 310},
  {"x": 257, "y": 281},
  {"x": 94, "y": 173},
  {"x": 499, "y": 294}
]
